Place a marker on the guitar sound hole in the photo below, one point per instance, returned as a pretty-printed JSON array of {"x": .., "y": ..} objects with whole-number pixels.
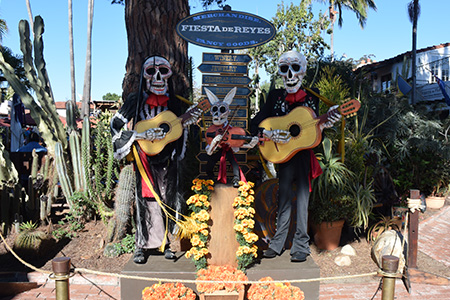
[
  {"x": 165, "y": 127},
  {"x": 294, "y": 130}
]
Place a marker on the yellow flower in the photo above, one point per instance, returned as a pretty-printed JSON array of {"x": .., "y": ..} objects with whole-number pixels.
[
  {"x": 203, "y": 198},
  {"x": 238, "y": 227},
  {"x": 204, "y": 232},
  {"x": 202, "y": 216},
  {"x": 248, "y": 223},
  {"x": 244, "y": 194},
  {"x": 195, "y": 240},
  {"x": 209, "y": 182}
]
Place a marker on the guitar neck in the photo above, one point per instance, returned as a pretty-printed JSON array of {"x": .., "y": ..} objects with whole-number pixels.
[
  {"x": 202, "y": 106},
  {"x": 347, "y": 109}
]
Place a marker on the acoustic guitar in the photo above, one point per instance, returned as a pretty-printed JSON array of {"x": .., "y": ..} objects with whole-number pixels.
[
  {"x": 171, "y": 125},
  {"x": 303, "y": 126}
]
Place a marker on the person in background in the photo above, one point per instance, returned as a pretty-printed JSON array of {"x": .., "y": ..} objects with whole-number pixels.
[{"x": 33, "y": 143}]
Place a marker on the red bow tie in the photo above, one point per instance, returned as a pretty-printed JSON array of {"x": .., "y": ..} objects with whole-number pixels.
[
  {"x": 157, "y": 100},
  {"x": 297, "y": 97}
]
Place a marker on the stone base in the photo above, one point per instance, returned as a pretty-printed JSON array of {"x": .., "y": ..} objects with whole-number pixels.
[{"x": 279, "y": 268}]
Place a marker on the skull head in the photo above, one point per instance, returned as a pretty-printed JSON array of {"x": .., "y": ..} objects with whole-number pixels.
[
  {"x": 220, "y": 110},
  {"x": 156, "y": 72},
  {"x": 292, "y": 67}
]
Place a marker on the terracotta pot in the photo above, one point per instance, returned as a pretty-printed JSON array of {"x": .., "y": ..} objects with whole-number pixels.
[
  {"x": 328, "y": 234},
  {"x": 435, "y": 202},
  {"x": 223, "y": 295}
]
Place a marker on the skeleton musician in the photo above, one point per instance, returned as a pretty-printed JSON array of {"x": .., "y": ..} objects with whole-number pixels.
[
  {"x": 157, "y": 152},
  {"x": 301, "y": 167},
  {"x": 221, "y": 135}
]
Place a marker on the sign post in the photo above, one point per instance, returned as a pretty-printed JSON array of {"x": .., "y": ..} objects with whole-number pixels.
[{"x": 228, "y": 31}]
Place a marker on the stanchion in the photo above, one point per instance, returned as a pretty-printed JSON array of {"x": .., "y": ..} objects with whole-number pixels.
[
  {"x": 389, "y": 267},
  {"x": 61, "y": 275}
]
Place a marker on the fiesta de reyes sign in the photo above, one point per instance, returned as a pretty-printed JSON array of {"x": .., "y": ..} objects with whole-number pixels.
[{"x": 221, "y": 29}]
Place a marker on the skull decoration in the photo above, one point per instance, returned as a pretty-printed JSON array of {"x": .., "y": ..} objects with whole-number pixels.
[
  {"x": 220, "y": 109},
  {"x": 292, "y": 67},
  {"x": 156, "y": 72}
]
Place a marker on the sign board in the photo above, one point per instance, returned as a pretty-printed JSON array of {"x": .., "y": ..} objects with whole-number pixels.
[
  {"x": 226, "y": 57},
  {"x": 222, "y": 90},
  {"x": 228, "y": 69},
  {"x": 220, "y": 29},
  {"x": 242, "y": 123},
  {"x": 431, "y": 92},
  {"x": 240, "y": 157},
  {"x": 242, "y": 102},
  {"x": 230, "y": 80},
  {"x": 240, "y": 113}
]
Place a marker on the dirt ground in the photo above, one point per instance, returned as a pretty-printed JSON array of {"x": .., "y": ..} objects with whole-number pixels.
[{"x": 86, "y": 251}]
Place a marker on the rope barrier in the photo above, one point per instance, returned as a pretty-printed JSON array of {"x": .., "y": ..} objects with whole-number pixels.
[
  {"x": 155, "y": 279},
  {"x": 81, "y": 270},
  {"x": 21, "y": 260}
]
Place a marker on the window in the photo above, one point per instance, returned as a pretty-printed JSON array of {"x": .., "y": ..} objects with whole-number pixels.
[
  {"x": 440, "y": 68},
  {"x": 434, "y": 68},
  {"x": 386, "y": 82}
]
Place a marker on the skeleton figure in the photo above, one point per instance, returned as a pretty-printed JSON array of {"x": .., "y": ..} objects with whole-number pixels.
[
  {"x": 292, "y": 67},
  {"x": 157, "y": 71},
  {"x": 220, "y": 111},
  {"x": 160, "y": 172},
  {"x": 301, "y": 167}
]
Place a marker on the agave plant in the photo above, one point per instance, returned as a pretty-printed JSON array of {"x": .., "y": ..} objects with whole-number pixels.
[{"x": 330, "y": 191}]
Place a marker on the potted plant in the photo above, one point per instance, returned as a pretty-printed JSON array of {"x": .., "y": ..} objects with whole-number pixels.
[
  {"x": 268, "y": 289},
  {"x": 330, "y": 203},
  {"x": 220, "y": 285},
  {"x": 437, "y": 198},
  {"x": 168, "y": 291}
]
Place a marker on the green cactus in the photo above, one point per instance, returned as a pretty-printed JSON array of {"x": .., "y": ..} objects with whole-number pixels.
[
  {"x": 62, "y": 174},
  {"x": 124, "y": 198},
  {"x": 31, "y": 241}
]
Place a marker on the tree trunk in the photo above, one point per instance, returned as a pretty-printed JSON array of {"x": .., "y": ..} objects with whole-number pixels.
[
  {"x": 88, "y": 68},
  {"x": 414, "y": 50},
  {"x": 333, "y": 19},
  {"x": 72, "y": 55},
  {"x": 151, "y": 30}
]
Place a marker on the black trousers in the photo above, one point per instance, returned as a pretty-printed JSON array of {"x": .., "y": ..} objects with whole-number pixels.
[{"x": 295, "y": 171}]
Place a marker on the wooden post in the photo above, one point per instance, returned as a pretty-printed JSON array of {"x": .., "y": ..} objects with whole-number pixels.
[
  {"x": 413, "y": 233},
  {"x": 223, "y": 244}
]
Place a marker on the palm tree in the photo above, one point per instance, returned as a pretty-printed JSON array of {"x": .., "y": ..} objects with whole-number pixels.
[
  {"x": 414, "y": 12},
  {"x": 359, "y": 7},
  {"x": 3, "y": 29}
]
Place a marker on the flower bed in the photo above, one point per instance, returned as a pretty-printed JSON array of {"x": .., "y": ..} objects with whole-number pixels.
[
  {"x": 267, "y": 290},
  {"x": 170, "y": 291}
]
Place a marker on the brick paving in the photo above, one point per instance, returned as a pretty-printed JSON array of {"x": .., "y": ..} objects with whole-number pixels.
[{"x": 433, "y": 241}]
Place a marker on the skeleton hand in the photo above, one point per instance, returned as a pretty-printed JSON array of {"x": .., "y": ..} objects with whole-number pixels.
[
  {"x": 278, "y": 136},
  {"x": 333, "y": 116},
  {"x": 151, "y": 134},
  {"x": 215, "y": 141},
  {"x": 252, "y": 143},
  {"x": 195, "y": 114}
]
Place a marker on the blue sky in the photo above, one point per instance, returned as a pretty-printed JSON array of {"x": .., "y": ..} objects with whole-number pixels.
[{"x": 387, "y": 33}]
